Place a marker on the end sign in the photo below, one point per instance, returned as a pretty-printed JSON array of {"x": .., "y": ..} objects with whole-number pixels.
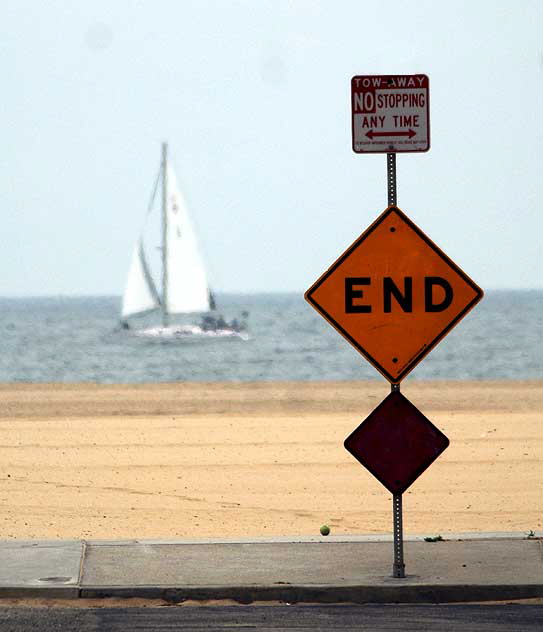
[
  {"x": 390, "y": 113},
  {"x": 393, "y": 294}
]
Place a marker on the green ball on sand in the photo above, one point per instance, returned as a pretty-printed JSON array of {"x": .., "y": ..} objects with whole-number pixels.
[{"x": 325, "y": 529}]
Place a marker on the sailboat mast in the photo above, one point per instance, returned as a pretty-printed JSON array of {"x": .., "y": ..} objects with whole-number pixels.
[{"x": 165, "y": 320}]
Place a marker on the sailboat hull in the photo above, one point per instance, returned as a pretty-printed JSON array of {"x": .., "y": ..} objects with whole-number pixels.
[{"x": 190, "y": 332}]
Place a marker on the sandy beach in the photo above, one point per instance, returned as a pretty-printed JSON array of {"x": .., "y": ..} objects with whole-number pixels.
[{"x": 265, "y": 459}]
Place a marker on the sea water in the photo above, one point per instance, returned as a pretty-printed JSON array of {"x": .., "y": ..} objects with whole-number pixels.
[{"x": 78, "y": 340}]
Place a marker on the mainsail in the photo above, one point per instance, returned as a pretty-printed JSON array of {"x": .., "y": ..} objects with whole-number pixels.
[{"x": 187, "y": 287}]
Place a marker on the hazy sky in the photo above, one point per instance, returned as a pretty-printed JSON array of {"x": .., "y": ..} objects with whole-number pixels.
[{"x": 254, "y": 100}]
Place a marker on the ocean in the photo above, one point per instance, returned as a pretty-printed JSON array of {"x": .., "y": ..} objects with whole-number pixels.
[{"x": 77, "y": 339}]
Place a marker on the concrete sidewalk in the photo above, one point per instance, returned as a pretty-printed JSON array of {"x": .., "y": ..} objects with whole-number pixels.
[{"x": 463, "y": 567}]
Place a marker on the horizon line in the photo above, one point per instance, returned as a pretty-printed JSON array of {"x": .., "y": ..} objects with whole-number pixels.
[{"x": 224, "y": 292}]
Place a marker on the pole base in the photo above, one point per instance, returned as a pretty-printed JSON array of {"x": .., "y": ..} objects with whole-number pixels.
[{"x": 398, "y": 570}]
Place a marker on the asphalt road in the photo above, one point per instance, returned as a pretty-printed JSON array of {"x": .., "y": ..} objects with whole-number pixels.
[{"x": 442, "y": 618}]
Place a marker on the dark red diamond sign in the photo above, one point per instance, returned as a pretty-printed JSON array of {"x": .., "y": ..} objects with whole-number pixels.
[{"x": 396, "y": 443}]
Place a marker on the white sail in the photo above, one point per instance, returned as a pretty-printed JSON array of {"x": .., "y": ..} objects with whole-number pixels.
[
  {"x": 140, "y": 294},
  {"x": 187, "y": 287}
]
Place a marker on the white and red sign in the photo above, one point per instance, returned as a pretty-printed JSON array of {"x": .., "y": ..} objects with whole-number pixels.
[{"x": 390, "y": 113}]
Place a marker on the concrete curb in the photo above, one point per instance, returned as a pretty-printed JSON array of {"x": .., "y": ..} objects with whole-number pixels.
[
  {"x": 356, "y": 594},
  {"x": 39, "y": 592}
]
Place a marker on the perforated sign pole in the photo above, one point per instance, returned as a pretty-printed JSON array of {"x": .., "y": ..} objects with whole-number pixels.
[
  {"x": 391, "y": 179},
  {"x": 398, "y": 568}
]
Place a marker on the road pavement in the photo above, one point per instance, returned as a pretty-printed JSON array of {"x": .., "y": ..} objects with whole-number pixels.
[{"x": 331, "y": 618}]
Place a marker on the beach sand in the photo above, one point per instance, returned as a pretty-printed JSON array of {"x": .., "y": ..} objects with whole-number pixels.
[{"x": 241, "y": 460}]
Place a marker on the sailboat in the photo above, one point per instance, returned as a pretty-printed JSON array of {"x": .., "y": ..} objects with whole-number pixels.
[{"x": 184, "y": 285}]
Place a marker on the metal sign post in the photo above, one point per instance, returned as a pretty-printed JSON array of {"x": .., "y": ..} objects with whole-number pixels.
[
  {"x": 391, "y": 179},
  {"x": 398, "y": 568}
]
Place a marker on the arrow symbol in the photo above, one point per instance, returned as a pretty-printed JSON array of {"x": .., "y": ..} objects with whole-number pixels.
[{"x": 371, "y": 134}]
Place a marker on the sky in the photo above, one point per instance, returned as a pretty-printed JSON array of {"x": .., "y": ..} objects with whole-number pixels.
[{"x": 253, "y": 98}]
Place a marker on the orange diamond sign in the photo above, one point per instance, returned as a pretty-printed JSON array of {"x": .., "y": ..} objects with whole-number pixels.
[{"x": 393, "y": 294}]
